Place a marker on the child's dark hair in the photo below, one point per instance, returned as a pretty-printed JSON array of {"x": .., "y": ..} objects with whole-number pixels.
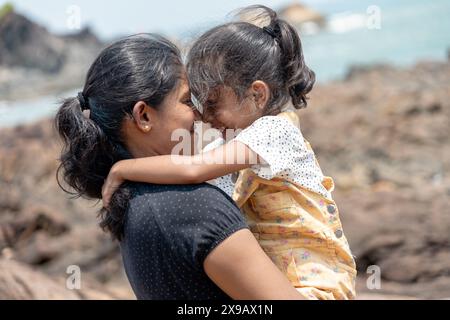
[
  {"x": 138, "y": 68},
  {"x": 237, "y": 54}
]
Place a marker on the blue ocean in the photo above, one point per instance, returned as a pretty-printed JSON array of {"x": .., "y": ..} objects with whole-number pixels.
[
  {"x": 409, "y": 31},
  {"x": 357, "y": 32}
]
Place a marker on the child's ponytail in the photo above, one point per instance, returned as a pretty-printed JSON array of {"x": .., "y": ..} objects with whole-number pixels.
[
  {"x": 262, "y": 48},
  {"x": 299, "y": 79}
]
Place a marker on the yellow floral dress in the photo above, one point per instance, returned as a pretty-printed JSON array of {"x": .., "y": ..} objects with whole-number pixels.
[{"x": 294, "y": 219}]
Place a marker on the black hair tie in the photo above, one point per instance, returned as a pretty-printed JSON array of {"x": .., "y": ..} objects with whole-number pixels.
[
  {"x": 83, "y": 102},
  {"x": 270, "y": 31}
]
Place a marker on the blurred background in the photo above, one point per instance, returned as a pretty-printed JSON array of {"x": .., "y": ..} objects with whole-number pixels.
[{"x": 378, "y": 119}]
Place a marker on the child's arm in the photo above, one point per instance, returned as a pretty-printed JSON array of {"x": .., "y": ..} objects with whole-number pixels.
[{"x": 175, "y": 169}]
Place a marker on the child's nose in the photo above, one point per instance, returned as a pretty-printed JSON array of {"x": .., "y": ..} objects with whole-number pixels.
[
  {"x": 207, "y": 117},
  {"x": 197, "y": 116}
]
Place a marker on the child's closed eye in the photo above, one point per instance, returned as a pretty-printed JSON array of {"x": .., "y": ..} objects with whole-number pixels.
[{"x": 189, "y": 103}]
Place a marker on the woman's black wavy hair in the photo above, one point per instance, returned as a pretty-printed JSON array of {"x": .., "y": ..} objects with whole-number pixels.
[
  {"x": 238, "y": 53},
  {"x": 144, "y": 67}
]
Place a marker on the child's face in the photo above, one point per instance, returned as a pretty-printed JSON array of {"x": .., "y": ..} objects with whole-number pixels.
[{"x": 224, "y": 110}]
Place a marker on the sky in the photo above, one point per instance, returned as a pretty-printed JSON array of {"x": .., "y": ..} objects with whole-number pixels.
[{"x": 110, "y": 19}]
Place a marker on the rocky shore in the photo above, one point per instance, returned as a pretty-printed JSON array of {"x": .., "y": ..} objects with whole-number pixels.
[
  {"x": 41, "y": 227},
  {"x": 382, "y": 133}
]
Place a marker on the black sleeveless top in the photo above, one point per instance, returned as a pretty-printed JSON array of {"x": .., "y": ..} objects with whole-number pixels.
[{"x": 169, "y": 230}]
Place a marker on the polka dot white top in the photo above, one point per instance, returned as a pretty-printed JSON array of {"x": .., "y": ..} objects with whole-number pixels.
[{"x": 284, "y": 152}]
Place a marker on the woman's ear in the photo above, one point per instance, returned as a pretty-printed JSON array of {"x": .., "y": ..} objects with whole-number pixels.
[
  {"x": 261, "y": 93},
  {"x": 143, "y": 116}
]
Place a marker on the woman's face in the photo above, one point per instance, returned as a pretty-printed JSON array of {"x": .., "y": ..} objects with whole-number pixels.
[
  {"x": 157, "y": 131},
  {"x": 175, "y": 118}
]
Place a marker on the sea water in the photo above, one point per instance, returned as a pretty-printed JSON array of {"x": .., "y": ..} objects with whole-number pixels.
[
  {"x": 406, "y": 31},
  {"x": 409, "y": 31}
]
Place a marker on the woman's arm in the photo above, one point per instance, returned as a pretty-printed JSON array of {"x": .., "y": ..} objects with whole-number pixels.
[
  {"x": 242, "y": 270},
  {"x": 175, "y": 169}
]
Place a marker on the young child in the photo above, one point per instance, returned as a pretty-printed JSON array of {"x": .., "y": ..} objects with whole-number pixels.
[{"x": 252, "y": 78}]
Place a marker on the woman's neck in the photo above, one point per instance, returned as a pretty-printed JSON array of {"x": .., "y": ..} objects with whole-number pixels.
[
  {"x": 137, "y": 143},
  {"x": 141, "y": 150}
]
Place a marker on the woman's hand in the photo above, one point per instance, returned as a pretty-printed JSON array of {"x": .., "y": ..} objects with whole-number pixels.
[{"x": 112, "y": 183}]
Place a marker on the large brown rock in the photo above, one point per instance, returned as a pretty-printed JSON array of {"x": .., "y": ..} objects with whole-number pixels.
[
  {"x": 298, "y": 14},
  {"x": 35, "y": 62},
  {"x": 42, "y": 226},
  {"x": 20, "y": 282}
]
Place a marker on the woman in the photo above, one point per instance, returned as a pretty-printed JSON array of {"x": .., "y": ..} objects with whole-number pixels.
[{"x": 177, "y": 242}]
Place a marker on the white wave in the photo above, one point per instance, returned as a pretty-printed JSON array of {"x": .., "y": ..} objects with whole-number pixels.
[
  {"x": 3, "y": 108},
  {"x": 309, "y": 28},
  {"x": 13, "y": 113},
  {"x": 346, "y": 21}
]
